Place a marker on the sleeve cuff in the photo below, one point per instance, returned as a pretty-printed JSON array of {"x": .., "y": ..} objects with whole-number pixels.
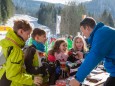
[{"x": 78, "y": 80}]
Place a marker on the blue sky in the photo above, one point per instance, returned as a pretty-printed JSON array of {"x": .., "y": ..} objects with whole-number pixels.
[{"x": 62, "y": 1}]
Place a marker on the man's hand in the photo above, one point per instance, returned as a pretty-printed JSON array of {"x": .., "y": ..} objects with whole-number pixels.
[{"x": 74, "y": 82}]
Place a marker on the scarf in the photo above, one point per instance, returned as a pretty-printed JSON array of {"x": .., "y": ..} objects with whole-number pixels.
[{"x": 39, "y": 46}]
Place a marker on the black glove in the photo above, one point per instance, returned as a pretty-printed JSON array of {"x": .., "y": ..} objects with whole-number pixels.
[{"x": 44, "y": 69}]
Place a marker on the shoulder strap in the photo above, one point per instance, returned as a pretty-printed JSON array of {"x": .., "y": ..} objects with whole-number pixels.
[
  {"x": 9, "y": 50},
  {"x": 2, "y": 57}
]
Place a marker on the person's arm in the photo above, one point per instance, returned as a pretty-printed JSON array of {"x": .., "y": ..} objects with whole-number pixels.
[
  {"x": 14, "y": 68},
  {"x": 29, "y": 56},
  {"x": 101, "y": 47}
]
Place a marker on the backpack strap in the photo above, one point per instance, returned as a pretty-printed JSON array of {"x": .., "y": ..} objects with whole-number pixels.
[
  {"x": 2, "y": 57},
  {"x": 9, "y": 50}
]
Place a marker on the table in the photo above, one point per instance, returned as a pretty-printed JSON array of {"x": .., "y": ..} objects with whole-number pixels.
[
  {"x": 102, "y": 76},
  {"x": 96, "y": 73}
]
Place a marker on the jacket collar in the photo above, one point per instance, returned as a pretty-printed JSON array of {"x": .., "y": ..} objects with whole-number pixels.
[
  {"x": 98, "y": 26},
  {"x": 14, "y": 37},
  {"x": 39, "y": 46}
]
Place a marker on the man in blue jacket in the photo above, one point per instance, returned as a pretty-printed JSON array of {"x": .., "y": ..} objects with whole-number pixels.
[{"x": 102, "y": 42}]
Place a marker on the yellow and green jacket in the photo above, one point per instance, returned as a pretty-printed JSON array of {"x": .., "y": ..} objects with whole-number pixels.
[{"x": 14, "y": 65}]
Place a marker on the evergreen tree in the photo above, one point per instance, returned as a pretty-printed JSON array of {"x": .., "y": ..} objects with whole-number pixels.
[
  {"x": 4, "y": 14},
  {"x": 10, "y": 8},
  {"x": 104, "y": 17},
  {"x": 0, "y": 13},
  {"x": 59, "y": 9},
  {"x": 6, "y": 10},
  {"x": 71, "y": 17},
  {"x": 107, "y": 19},
  {"x": 110, "y": 20},
  {"x": 47, "y": 16},
  {"x": 90, "y": 15}
]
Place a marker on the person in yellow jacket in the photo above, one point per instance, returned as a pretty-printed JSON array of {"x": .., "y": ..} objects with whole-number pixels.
[{"x": 12, "y": 71}]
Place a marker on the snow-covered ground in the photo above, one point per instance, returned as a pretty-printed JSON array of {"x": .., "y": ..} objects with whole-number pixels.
[{"x": 2, "y": 34}]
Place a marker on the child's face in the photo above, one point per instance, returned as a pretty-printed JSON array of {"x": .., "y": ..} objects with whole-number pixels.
[
  {"x": 41, "y": 38},
  {"x": 24, "y": 34},
  {"x": 79, "y": 44},
  {"x": 63, "y": 47}
]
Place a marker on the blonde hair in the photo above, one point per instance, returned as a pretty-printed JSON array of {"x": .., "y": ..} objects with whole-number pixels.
[{"x": 85, "y": 49}]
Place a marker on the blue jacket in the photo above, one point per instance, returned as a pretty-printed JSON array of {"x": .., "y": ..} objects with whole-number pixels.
[{"x": 102, "y": 41}]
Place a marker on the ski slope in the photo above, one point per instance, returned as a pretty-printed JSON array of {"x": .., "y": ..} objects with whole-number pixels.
[{"x": 32, "y": 20}]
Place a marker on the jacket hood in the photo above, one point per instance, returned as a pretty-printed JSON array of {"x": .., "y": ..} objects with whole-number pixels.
[
  {"x": 12, "y": 35},
  {"x": 98, "y": 26}
]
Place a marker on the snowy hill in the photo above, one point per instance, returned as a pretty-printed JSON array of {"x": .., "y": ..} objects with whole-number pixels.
[
  {"x": 32, "y": 20},
  {"x": 19, "y": 16}
]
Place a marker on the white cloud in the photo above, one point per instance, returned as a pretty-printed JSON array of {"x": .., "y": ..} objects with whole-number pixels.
[{"x": 62, "y": 1}]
